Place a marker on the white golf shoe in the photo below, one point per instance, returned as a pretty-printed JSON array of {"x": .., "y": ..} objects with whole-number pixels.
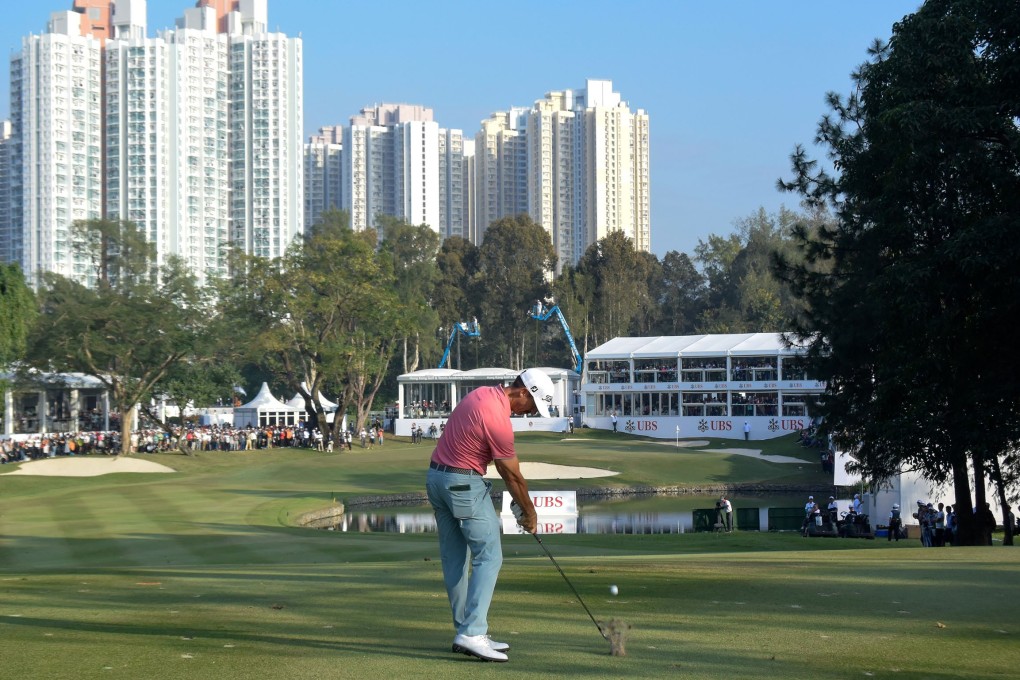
[
  {"x": 498, "y": 646},
  {"x": 477, "y": 646}
]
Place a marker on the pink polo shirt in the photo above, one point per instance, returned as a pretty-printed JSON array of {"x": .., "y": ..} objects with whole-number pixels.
[{"x": 477, "y": 432}]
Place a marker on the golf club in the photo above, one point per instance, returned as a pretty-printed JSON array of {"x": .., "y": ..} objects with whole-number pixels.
[{"x": 516, "y": 510}]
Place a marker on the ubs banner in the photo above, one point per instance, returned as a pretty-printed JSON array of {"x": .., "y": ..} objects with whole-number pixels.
[
  {"x": 687, "y": 427},
  {"x": 557, "y": 512}
]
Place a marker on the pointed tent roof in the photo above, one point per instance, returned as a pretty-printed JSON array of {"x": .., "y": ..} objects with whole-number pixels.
[
  {"x": 298, "y": 401},
  {"x": 327, "y": 405},
  {"x": 265, "y": 399}
]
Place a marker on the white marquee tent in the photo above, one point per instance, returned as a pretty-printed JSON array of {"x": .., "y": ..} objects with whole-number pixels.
[{"x": 265, "y": 409}]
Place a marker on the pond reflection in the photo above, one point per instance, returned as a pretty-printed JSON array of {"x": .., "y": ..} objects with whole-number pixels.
[{"x": 621, "y": 515}]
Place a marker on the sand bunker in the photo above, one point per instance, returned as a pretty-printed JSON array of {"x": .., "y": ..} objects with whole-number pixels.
[
  {"x": 684, "y": 444},
  {"x": 756, "y": 453},
  {"x": 550, "y": 471},
  {"x": 81, "y": 466}
]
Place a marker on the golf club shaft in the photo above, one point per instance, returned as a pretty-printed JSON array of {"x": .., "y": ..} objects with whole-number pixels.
[{"x": 578, "y": 596}]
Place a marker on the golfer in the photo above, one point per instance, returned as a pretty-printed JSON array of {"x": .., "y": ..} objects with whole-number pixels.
[{"x": 479, "y": 432}]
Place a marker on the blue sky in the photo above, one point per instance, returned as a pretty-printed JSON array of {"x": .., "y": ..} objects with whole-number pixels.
[{"x": 730, "y": 85}]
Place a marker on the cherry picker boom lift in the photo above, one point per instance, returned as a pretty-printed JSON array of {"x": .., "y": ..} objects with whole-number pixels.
[
  {"x": 466, "y": 328},
  {"x": 540, "y": 312}
]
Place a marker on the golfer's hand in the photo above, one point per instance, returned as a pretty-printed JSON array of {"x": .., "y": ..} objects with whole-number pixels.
[{"x": 529, "y": 521}]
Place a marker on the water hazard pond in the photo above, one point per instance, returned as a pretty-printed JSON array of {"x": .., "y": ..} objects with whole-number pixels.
[{"x": 645, "y": 514}]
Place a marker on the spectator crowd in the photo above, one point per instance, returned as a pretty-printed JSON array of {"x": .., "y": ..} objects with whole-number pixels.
[{"x": 197, "y": 438}]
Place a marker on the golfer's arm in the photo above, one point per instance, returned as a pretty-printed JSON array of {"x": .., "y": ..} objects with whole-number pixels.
[{"x": 510, "y": 470}]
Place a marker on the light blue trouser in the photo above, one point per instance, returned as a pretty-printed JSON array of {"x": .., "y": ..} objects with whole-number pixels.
[{"x": 468, "y": 528}]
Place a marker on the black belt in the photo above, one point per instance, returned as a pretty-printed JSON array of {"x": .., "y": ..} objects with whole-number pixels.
[{"x": 458, "y": 471}]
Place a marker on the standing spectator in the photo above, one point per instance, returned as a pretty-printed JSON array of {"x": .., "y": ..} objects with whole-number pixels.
[
  {"x": 858, "y": 506},
  {"x": 927, "y": 518},
  {"x": 895, "y": 522},
  {"x": 940, "y": 526},
  {"x": 809, "y": 511},
  {"x": 613, "y": 418},
  {"x": 986, "y": 521},
  {"x": 747, "y": 430},
  {"x": 950, "y": 525},
  {"x": 833, "y": 511}
]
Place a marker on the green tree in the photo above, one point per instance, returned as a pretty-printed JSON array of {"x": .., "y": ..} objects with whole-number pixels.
[
  {"x": 619, "y": 278},
  {"x": 574, "y": 292},
  {"x": 744, "y": 295},
  {"x": 909, "y": 294},
  {"x": 412, "y": 252},
  {"x": 453, "y": 298},
  {"x": 17, "y": 312},
  {"x": 680, "y": 293},
  {"x": 326, "y": 316},
  {"x": 513, "y": 260},
  {"x": 132, "y": 329}
]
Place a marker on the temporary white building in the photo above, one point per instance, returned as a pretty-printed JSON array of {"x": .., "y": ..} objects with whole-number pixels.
[
  {"x": 265, "y": 410},
  {"x": 732, "y": 386},
  {"x": 427, "y": 397}
]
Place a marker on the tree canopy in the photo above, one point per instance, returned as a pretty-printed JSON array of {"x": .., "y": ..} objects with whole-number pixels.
[
  {"x": 17, "y": 312},
  {"x": 909, "y": 294},
  {"x": 513, "y": 260},
  {"x": 133, "y": 329},
  {"x": 327, "y": 316}
]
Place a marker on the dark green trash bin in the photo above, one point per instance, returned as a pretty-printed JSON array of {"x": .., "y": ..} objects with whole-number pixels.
[
  {"x": 704, "y": 519},
  {"x": 786, "y": 519},
  {"x": 747, "y": 519}
]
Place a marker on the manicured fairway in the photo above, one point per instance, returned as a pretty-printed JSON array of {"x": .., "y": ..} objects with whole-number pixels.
[{"x": 199, "y": 574}]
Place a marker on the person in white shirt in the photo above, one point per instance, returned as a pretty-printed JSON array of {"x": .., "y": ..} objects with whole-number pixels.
[
  {"x": 725, "y": 509},
  {"x": 833, "y": 510}
]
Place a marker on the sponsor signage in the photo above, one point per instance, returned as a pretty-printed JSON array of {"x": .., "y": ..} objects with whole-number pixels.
[
  {"x": 563, "y": 524},
  {"x": 547, "y": 503},
  {"x": 668, "y": 426},
  {"x": 557, "y": 512},
  {"x": 737, "y": 386}
]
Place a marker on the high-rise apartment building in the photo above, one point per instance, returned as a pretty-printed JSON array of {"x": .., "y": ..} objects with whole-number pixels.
[
  {"x": 266, "y": 133},
  {"x": 552, "y": 138},
  {"x": 576, "y": 162},
  {"x": 468, "y": 173},
  {"x": 323, "y": 173},
  {"x": 56, "y": 154},
  {"x": 451, "y": 183},
  {"x": 195, "y": 135},
  {"x": 399, "y": 162},
  {"x": 501, "y": 167},
  {"x": 7, "y": 253},
  {"x": 616, "y": 183}
]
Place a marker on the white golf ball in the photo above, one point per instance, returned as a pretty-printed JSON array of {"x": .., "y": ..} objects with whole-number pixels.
[{"x": 613, "y": 590}]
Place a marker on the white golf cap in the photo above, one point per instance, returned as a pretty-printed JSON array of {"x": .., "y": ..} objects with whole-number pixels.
[{"x": 541, "y": 388}]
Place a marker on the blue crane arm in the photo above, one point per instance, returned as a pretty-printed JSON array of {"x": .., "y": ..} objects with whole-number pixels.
[
  {"x": 540, "y": 313},
  {"x": 470, "y": 330}
]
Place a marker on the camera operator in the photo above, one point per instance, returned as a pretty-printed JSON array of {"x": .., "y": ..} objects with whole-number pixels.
[{"x": 724, "y": 513}]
